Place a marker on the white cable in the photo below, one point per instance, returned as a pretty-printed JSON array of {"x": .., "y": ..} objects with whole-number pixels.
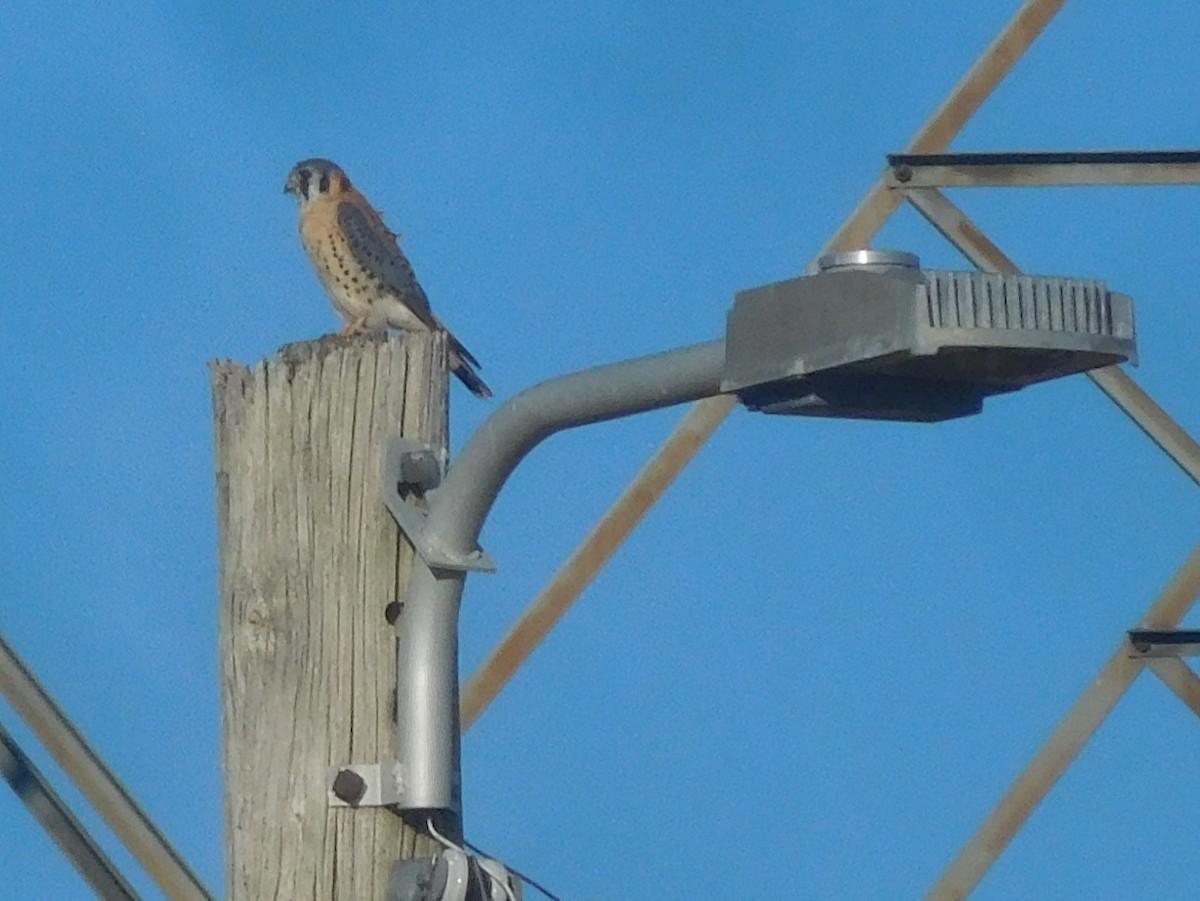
[
  {"x": 441, "y": 838},
  {"x": 483, "y": 865}
]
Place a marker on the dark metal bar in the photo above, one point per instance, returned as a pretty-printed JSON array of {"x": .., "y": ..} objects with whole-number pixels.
[
  {"x": 1041, "y": 158},
  {"x": 27, "y": 781},
  {"x": 1172, "y": 643},
  {"x": 1042, "y": 169}
]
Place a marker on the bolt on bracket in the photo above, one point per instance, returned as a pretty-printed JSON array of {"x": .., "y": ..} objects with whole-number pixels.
[
  {"x": 366, "y": 785},
  {"x": 411, "y": 468}
]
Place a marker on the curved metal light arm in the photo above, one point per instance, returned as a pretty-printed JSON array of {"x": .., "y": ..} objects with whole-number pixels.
[{"x": 427, "y": 717}]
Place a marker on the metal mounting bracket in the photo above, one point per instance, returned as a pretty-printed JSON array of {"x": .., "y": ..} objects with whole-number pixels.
[
  {"x": 366, "y": 785},
  {"x": 411, "y": 468}
]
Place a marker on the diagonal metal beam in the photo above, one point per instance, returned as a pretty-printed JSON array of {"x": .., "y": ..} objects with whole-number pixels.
[
  {"x": 1139, "y": 406},
  {"x": 27, "y": 781},
  {"x": 1064, "y": 744},
  {"x": 705, "y": 416},
  {"x": 1180, "y": 678},
  {"x": 588, "y": 559},
  {"x": 945, "y": 124},
  {"x": 1085, "y": 717},
  {"x": 953, "y": 225},
  {"x": 96, "y": 781},
  {"x": 1152, "y": 419}
]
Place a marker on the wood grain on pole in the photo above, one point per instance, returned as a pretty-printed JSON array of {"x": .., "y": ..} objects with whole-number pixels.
[{"x": 309, "y": 560}]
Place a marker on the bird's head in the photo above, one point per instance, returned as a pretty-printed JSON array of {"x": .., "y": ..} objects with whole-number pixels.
[{"x": 309, "y": 179}]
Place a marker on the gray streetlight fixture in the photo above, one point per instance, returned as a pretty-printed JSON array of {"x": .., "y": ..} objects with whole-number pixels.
[
  {"x": 867, "y": 334},
  {"x": 872, "y": 336}
]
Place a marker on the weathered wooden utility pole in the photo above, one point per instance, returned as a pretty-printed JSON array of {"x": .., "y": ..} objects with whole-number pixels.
[{"x": 309, "y": 560}]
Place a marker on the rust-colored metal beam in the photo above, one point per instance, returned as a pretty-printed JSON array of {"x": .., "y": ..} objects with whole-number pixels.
[
  {"x": 1120, "y": 387},
  {"x": 1082, "y": 721},
  {"x": 128, "y": 821},
  {"x": 954, "y": 225},
  {"x": 1152, "y": 419},
  {"x": 948, "y": 120},
  {"x": 705, "y": 416},
  {"x": 590, "y": 557},
  {"x": 1180, "y": 678},
  {"x": 1064, "y": 744}
]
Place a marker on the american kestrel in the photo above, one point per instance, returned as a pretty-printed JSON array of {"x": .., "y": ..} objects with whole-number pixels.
[{"x": 358, "y": 260}]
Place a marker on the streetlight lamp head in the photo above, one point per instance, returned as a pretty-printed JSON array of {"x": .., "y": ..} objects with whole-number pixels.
[{"x": 870, "y": 335}]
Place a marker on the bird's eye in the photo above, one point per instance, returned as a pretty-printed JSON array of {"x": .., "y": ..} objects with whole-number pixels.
[{"x": 302, "y": 178}]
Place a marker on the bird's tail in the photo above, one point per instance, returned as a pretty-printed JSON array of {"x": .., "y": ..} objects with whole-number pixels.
[{"x": 463, "y": 365}]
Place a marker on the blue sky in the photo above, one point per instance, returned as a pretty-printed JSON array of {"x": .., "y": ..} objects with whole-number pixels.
[{"x": 833, "y": 644}]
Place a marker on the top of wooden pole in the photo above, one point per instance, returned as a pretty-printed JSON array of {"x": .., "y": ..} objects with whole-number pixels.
[{"x": 309, "y": 561}]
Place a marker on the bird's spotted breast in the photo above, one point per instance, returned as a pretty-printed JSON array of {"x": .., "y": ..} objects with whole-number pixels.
[{"x": 350, "y": 286}]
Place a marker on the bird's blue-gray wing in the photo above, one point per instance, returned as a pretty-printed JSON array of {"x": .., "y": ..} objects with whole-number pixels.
[{"x": 381, "y": 255}]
